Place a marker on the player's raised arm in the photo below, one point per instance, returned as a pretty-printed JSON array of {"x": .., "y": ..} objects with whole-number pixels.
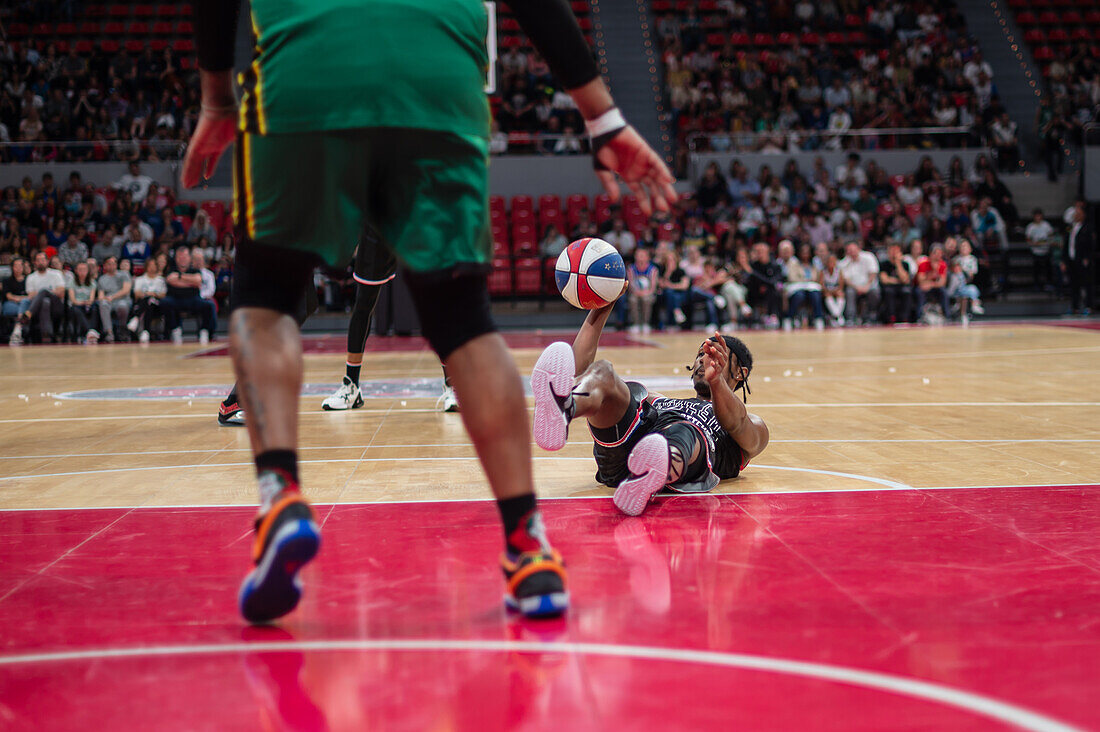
[
  {"x": 215, "y": 34},
  {"x": 588, "y": 337},
  {"x": 616, "y": 147},
  {"x": 747, "y": 430}
]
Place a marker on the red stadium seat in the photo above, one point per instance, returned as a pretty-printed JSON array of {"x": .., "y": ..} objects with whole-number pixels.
[
  {"x": 550, "y": 203},
  {"x": 585, "y": 23},
  {"x": 183, "y": 45},
  {"x": 216, "y": 211},
  {"x": 1048, "y": 17},
  {"x": 1027, "y": 18},
  {"x": 113, "y": 28},
  {"x": 42, "y": 29},
  {"x": 96, "y": 11},
  {"x": 166, "y": 11},
  {"x": 785, "y": 39},
  {"x": 66, "y": 29},
  {"x": 739, "y": 39},
  {"x": 138, "y": 28},
  {"x": 524, "y": 239},
  {"x": 185, "y": 28},
  {"x": 186, "y": 10},
  {"x": 118, "y": 11},
  {"x": 763, "y": 39},
  {"x": 108, "y": 45},
  {"x": 162, "y": 28},
  {"x": 580, "y": 7},
  {"x": 810, "y": 39},
  {"x": 500, "y": 278},
  {"x": 1092, "y": 17},
  {"x": 716, "y": 39},
  {"x": 89, "y": 28},
  {"x": 143, "y": 11},
  {"x": 528, "y": 276},
  {"x": 83, "y": 47},
  {"x": 1044, "y": 53},
  {"x": 708, "y": 6},
  {"x": 857, "y": 38},
  {"x": 522, "y": 203},
  {"x": 835, "y": 39},
  {"x": 134, "y": 46},
  {"x": 62, "y": 46},
  {"x": 852, "y": 20},
  {"x": 1035, "y": 36},
  {"x": 1071, "y": 18},
  {"x": 496, "y": 203},
  {"x": 1058, "y": 35},
  {"x": 661, "y": 6},
  {"x": 1081, "y": 34}
]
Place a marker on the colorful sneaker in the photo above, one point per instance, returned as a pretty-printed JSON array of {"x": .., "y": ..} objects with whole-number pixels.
[
  {"x": 346, "y": 397},
  {"x": 648, "y": 462},
  {"x": 536, "y": 583},
  {"x": 552, "y": 385},
  {"x": 287, "y": 538},
  {"x": 230, "y": 415}
]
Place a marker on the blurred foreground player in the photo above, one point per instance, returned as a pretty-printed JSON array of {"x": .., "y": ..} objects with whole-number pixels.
[
  {"x": 375, "y": 111},
  {"x": 645, "y": 442}
]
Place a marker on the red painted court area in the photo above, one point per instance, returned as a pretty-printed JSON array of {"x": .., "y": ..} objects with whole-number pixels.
[{"x": 953, "y": 609}]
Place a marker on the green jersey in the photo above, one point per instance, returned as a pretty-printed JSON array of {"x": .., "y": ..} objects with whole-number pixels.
[{"x": 349, "y": 64}]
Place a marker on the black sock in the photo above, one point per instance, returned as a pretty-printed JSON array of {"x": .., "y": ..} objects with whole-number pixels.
[
  {"x": 232, "y": 398},
  {"x": 353, "y": 372},
  {"x": 522, "y": 525},
  {"x": 285, "y": 461}
]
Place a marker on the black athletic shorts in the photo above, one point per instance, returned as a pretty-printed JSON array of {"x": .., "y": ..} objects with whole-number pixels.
[{"x": 374, "y": 262}]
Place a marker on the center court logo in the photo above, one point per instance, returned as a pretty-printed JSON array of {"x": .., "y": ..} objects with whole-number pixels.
[{"x": 426, "y": 388}]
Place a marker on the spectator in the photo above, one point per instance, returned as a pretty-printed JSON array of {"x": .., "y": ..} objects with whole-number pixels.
[
  {"x": 896, "y": 280},
  {"x": 46, "y": 288},
  {"x": 961, "y": 287},
  {"x": 1040, "y": 238},
  {"x": 932, "y": 281},
  {"x": 802, "y": 285},
  {"x": 642, "y": 275},
  {"x": 135, "y": 247},
  {"x": 997, "y": 192},
  {"x": 209, "y": 284},
  {"x": 832, "y": 288},
  {"x": 82, "y": 303},
  {"x": 72, "y": 252},
  {"x": 108, "y": 245},
  {"x": 700, "y": 291},
  {"x": 851, "y": 169},
  {"x": 114, "y": 287},
  {"x": 1005, "y": 142},
  {"x": 696, "y": 236},
  {"x": 620, "y": 238},
  {"x": 742, "y": 188},
  {"x": 988, "y": 224},
  {"x": 860, "y": 270},
  {"x": 1080, "y": 245},
  {"x": 16, "y": 300},
  {"x": 765, "y": 280},
  {"x": 149, "y": 290},
  {"x": 735, "y": 290},
  {"x": 183, "y": 282},
  {"x": 675, "y": 286},
  {"x": 136, "y": 183},
  {"x": 712, "y": 189},
  {"x": 553, "y": 243},
  {"x": 201, "y": 227}
]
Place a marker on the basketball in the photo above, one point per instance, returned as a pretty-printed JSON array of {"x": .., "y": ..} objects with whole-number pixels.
[{"x": 590, "y": 273}]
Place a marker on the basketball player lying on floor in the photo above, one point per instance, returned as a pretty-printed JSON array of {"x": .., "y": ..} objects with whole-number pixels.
[{"x": 645, "y": 442}]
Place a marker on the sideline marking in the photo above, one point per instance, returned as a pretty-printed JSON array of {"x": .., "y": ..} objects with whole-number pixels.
[{"x": 914, "y": 688}]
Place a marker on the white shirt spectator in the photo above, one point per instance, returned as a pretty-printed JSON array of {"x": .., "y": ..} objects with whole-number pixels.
[
  {"x": 860, "y": 272},
  {"x": 837, "y": 96},
  {"x": 498, "y": 142},
  {"x": 621, "y": 240},
  {"x": 974, "y": 67},
  {"x": 51, "y": 279},
  {"x": 144, "y": 228},
  {"x": 908, "y": 195},
  {"x": 209, "y": 284},
  {"x": 804, "y": 10},
  {"x": 843, "y": 171},
  {"x": 150, "y": 286},
  {"x": 1003, "y": 132},
  {"x": 839, "y": 216},
  {"x": 138, "y": 185},
  {"x": 752, "y": 216},
  {"x": 1039, "y": 235}
]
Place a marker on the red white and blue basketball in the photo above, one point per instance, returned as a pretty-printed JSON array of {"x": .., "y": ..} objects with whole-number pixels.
[{"x": 590, "y": 273}]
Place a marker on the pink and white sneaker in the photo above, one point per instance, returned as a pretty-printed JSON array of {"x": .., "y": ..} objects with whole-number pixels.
[
  {"x": 552, "y": 386},
  {"x": 649, "y": 462}
]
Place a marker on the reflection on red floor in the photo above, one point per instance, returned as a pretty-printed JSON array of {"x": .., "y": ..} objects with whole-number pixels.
[
  {"x": 386, "y": 344},
  {"x": 993, "y": 592}
]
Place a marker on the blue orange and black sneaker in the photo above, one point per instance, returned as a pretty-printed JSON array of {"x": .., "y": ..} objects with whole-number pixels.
[
  {"x": 536, "y": 583},
  {"x": 287, "y": 538}
]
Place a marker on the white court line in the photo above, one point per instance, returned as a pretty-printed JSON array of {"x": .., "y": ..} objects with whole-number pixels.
[
  {"x": 967, "y": 701},
  {"x": 601, "y": 497},
  {"x": 407, "y": 410},
  {"x": 467, "y": 444}
]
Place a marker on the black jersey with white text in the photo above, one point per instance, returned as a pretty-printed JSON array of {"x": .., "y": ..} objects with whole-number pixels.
[{"x": 726, "y": 456}]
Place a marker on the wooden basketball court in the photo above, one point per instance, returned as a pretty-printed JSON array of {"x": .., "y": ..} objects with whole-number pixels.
[{"x": 832, "y": 573}]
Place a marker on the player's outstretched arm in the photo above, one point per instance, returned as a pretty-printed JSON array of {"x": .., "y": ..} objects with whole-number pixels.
[
  {"x": 215, "y": 32},
  {"x": 588, "y": 337},
  {"x": 618, "y": 149},
  {"x": 747, "y": 430}
]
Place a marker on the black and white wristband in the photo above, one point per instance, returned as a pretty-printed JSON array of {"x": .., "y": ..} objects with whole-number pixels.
[{"x": 602, "y": 129}]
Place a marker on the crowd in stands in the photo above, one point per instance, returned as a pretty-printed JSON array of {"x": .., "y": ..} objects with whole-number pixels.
[
  {"x": 753, "y": 76},
  {"x": 821, "y": 247},
  {"x": 534, "y": 114},
  {"x": 121, "y": 262}
]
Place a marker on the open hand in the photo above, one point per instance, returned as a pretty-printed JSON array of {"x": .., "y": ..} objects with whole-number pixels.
[
  {"x": 212, "y": 136},
  {"x": 716, "y": 358},
  {"x": 643, "y": 171}
]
